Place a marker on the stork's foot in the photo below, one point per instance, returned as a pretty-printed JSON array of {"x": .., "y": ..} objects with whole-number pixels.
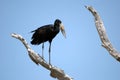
[
  {"x": 49, "y": 63},
  {"x": 41, "y": 57}
]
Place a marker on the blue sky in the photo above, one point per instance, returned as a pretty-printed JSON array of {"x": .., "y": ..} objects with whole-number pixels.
[{"x": 80, "y": 55}]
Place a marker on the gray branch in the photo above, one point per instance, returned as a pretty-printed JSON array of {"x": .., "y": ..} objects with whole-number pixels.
[
  {"x": 55, "y": 72},
  {"x": 102, "y": 34}
]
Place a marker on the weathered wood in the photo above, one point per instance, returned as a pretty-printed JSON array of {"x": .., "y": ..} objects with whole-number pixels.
[
  {"x": 102, "y": 34},
  {"x": 55, "y": 72}
]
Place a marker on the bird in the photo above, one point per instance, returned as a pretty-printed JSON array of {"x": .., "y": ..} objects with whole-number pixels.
[{"x": 47, "y": 33}]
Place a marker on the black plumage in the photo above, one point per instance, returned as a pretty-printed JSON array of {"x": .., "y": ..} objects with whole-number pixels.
[{"x": 47, "y": 33}]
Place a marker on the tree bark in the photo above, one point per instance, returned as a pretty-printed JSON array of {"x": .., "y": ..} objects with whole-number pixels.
[
  {"x": 55, "y": 72},
  {"x": 102, "y": 34}
]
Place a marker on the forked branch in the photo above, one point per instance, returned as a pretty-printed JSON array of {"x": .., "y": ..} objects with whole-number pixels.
[
  {"x": 102, "y": 33},
  {"x": 55, "y": 72}
]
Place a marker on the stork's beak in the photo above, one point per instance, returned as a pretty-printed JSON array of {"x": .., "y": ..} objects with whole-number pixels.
[{"x": 62, "y": 30}]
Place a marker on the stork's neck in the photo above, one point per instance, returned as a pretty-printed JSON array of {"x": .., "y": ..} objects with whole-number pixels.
[{"x": 56, "y": 28}]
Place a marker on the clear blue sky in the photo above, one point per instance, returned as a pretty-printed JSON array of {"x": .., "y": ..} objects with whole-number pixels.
[{"x": 80, "y": 55}]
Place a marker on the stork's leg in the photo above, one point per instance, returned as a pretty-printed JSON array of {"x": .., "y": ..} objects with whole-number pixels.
[
  {"x": 50, "y": 53},
  {"x": 43, "y": 50}
]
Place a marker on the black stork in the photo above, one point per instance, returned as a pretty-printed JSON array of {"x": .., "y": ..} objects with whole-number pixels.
[{"x": 47, "y": 33}]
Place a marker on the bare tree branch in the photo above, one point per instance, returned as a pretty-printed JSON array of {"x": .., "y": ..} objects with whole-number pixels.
[
  {"x": 102, "y": 33},
  {"x": 55, "y": 71}
]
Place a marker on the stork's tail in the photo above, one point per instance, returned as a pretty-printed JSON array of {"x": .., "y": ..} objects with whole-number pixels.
[
  {"x": 35, "y": 42},
  {"x": 32, "y": 31}
]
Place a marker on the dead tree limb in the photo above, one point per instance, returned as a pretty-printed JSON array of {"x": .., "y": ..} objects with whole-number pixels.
[
  {"x": 102, "y": 34},
  {"x": 55, "y": 72}
]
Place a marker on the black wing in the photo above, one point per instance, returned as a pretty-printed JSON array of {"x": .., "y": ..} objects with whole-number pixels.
[{"x": 41, "y": 34}]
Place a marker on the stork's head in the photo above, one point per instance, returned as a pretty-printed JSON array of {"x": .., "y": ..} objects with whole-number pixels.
[{"x": 59, "y": 23}]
